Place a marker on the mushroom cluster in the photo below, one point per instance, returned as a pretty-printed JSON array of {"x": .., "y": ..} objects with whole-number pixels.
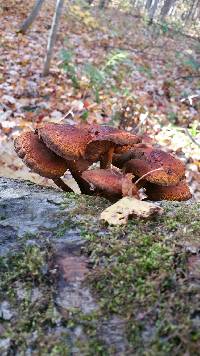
[{"x": 126, "y": 164}]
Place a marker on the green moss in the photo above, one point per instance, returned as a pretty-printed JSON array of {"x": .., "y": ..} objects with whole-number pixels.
[
  {"x": 139, "y": 273},
  {"x": 33, "y": 319}
]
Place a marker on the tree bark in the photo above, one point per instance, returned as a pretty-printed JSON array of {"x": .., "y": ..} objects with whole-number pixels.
[
  {"x": 152, "y": 9},
  {"x": 103, "y": 3},
  {"x": 193, "y": 10},
  {"x": 148, "y": 4},
  {"x": 52, "y": 36},
  {"x": 166, "y": 8},
  {"x": 28, "y": 22}
]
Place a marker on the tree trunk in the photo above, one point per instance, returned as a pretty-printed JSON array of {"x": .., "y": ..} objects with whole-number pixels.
[
  {"x": 148, "y": 4},
  {"x": 166, "y": 8},
  {"x": 52, "y": 36},
  {"x": 153, "y": 9},
  {"x": 28, "y": 22},
  {"x": 197, "y": 12},
  {"x": 192, "y": 11},
  {"x": 103, "y": 3}
]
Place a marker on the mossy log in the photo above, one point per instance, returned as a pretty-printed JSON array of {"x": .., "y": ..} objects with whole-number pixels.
[{"x": 71, "y": 285}]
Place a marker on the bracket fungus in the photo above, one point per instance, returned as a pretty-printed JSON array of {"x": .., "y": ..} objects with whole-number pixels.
[{"x": 55, "y": 148}]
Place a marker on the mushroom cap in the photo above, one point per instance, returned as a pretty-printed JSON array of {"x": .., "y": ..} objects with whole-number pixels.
[
  {"x": 105, "y": 137},
  {"x": 177, "y": 192},
  {"x": 96, "y": 149},
  {"x": 78, "y": 166},
  {"x": 38, "y": 157},
  {"x": 123, "y": 149},
  {"x": 65, "y": 140},
  {"x": 120, "y": 137},
  {"x": 148, "y": 159},
  {"x": 90, "y": 142},
  {"x": 107, "y": 180}
]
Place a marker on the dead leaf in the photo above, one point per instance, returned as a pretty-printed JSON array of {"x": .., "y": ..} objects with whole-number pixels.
[{"x": 120, "y": 212}]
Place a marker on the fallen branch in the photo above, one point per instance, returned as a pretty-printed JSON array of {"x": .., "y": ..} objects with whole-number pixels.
[
  {"x": 192, "y": 138},
  {"x": 187, "y": 76}
]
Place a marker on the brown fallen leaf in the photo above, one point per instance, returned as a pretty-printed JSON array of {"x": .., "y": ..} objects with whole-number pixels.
[{"x": 125, "y": 208}]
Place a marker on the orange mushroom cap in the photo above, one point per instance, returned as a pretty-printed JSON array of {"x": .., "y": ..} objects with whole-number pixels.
[
  {"x": 65, "y": 140},
  {"x": 120, "y": 137},
  {"x": 147, "y": 159},
  {"x": 106, "y": 137},
  {"x": 123, "y": 149},
  {"x": 90, "y": 142},
  {"x": 38, "y": 157},
  {"x": 177, "y": 192},
  {"x": 105, "y": 179},
  {"x": 109, "y": 181}
]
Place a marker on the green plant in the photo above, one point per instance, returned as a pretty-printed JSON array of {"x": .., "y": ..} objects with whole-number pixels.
[
  {"x": 191, "y": 63},
  {"x": 194, "y": 129},
  {"x": 115, "y": 59},
  {"x": 164, "y": 27},
  {"x": 107, "y": 75},
  {"x": 68, "y": 66},
  {"x": 172, "y": 117},
  {"x": 96, "y": 79}
]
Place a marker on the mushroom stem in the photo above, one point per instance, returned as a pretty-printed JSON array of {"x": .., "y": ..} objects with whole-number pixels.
[
  {"x": 106, "y": 161},
  {"x": 83, "y": 185},
  {"x": 120, "y": 159},
  {"x": 61, "y": 184}
]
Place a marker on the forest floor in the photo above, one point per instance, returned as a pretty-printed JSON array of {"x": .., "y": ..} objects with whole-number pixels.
[{"x": 108, "y": 67}]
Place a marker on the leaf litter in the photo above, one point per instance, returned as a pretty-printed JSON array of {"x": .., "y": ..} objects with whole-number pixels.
[{"x": 119, "y": 72}]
